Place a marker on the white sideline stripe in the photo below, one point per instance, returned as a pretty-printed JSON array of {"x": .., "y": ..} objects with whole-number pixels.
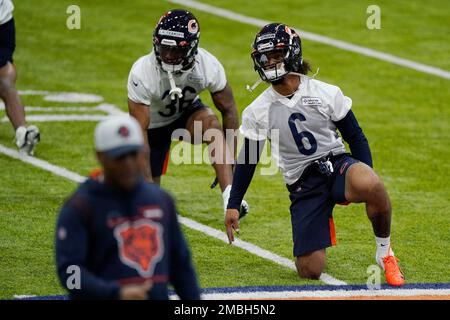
[
  {"x": 319, "y": 38},
  {"x": 24, "y": 296},
  {"x": 247, "y": 246},
  {"x": 325, "y": 294},
  {"x": 62, "y": 172},
  {"x": 62, "y": 117}
]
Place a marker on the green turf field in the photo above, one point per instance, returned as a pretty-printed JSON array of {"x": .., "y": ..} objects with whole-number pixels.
[{"x": 404, "y": 113}]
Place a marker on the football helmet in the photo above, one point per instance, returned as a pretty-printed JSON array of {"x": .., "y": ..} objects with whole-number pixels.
[
  {"x": 175, "y": 40},
  {"x": 276, "y": 51}
]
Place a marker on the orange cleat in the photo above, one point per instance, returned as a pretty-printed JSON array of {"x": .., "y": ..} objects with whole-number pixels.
[{"x": 394, "y": 276}]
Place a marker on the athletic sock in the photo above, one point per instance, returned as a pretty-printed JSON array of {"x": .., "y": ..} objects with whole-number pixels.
[
  {"x": 226, "y": 197},
  {"x": 383, "y": 249}
]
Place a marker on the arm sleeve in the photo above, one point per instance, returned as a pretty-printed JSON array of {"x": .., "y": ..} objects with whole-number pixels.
[
  {"x": 71, "y": 250},
  {"x": 244, "y": 171},
  {"x": 352, "y": 133},
  {"x": 182, "y": 273}
]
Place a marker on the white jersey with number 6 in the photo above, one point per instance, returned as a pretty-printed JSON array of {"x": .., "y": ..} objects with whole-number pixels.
[
  {"x": 304, "y": 124},
  {"x": 148, "y": 84}
]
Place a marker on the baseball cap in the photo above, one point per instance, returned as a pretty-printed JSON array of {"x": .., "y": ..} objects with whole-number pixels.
[{"x": 118, "y": 135}]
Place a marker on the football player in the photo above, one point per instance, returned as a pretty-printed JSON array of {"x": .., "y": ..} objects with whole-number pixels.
[
  {"x": 318, "y": 170},
  {"x": 163, "y": 89},
  {"x": 26, "y": 138}
]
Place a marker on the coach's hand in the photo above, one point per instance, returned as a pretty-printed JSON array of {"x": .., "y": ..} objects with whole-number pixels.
[
  {"x": 136, "y": 291},
  {"x": 232, "y": 223}
]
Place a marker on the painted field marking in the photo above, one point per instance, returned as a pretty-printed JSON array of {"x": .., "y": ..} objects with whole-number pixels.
[
  {"x": 60, "y": 113},
  {"x": 220, "y": 235},
  {"x": 323, "y": 294},
  {"x": 416, "y": 291},
  {"x": 231, "y": 15}
]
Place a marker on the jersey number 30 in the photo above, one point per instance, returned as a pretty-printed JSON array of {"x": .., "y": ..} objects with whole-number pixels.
[{"x": 299, "y": 136}]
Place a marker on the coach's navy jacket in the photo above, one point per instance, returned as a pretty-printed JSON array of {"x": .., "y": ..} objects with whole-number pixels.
[{"x": 117, "y": 238}]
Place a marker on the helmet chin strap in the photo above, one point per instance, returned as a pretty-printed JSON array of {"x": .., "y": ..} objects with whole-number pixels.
[
  {"x": 174, "y": 90},
  {"x": 270, "y": 74},
  {"x": 259, "y": 81}
]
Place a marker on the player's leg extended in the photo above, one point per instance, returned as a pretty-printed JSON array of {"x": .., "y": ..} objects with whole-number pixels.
[
  {"x": 220, "y": 152},
  {"x": 8, "y": 93},
  {"x": 362, "y": 184}
]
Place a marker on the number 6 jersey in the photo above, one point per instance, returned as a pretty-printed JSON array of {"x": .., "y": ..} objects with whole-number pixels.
[
  {"x": 301, "y": 128},
  {"x": 148, "y": 84}
]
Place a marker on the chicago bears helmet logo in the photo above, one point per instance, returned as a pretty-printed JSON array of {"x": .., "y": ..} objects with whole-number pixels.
[
  {"x": 140, "y": 245},
  {"x": 193, "y": 26}
]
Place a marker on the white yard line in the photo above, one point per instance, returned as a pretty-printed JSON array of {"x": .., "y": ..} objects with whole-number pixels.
[
  {"x": 62, "y": 118},
  {"x": 247, "y": 246},
  {"x": 59, "y": 171},
  {"x": 318, "y": 38},
  {"x": 65, "y": 173}
]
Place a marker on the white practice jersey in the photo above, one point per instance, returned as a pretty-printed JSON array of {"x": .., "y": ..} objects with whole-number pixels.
[
  {"x": 6, "y": 10},
  {"x": 304, "y": 124},
  {"x": 148, "y": 84}
]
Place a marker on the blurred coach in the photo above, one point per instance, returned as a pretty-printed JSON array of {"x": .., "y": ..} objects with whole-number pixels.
[{"x": 118, "y": 237}]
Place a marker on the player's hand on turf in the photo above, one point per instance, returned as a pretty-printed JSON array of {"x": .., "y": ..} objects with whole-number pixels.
[
  {"x": 136, "y": 291},
  {"x": 231, "y": 223}
]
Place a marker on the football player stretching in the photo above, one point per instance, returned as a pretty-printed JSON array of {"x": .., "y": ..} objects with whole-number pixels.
[
  {"x": 319, "y": 173},
  {"x": 163, "y": 89}
]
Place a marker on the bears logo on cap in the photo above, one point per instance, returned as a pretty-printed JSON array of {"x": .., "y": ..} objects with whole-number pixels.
[{"x": 124, "y": 132}]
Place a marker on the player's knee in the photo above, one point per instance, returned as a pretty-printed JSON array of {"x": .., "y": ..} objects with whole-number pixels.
[
  {"x": 309, "y": 273},
  {"x": 310, "y": 267},
  {"x": 211, "y": 122}
]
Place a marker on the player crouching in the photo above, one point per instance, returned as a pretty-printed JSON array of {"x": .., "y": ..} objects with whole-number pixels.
[
  {"x": 313, "y": 158},
  {"x": 163, "y": 95}
]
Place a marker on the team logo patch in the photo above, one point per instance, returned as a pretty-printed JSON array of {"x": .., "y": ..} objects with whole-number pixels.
[
  {"x": 140, "y": 245},
  {"x": 193, "y": 26},
  {"x": 196, "y": 78},
  {"x": 124, "y": 132},
  {"x": 311, "y": 101}
]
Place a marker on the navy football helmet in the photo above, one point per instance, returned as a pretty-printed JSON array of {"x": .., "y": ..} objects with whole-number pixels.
[
  {"x": 175, "y": 40},
  {"x": 276, "y": 51}
]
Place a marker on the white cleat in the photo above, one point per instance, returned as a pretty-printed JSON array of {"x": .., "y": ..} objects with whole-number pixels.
[{"x": 27, "y": 139}]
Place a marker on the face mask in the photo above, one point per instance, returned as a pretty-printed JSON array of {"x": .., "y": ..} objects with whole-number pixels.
[
  {"x": 171, "y": 67},
  {"x": 275, "y": 72}
]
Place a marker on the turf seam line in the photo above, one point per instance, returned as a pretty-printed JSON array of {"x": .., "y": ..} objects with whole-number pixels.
[
  {"x": 231, "y": 15},
  {"x": 65, "y": 173}
]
